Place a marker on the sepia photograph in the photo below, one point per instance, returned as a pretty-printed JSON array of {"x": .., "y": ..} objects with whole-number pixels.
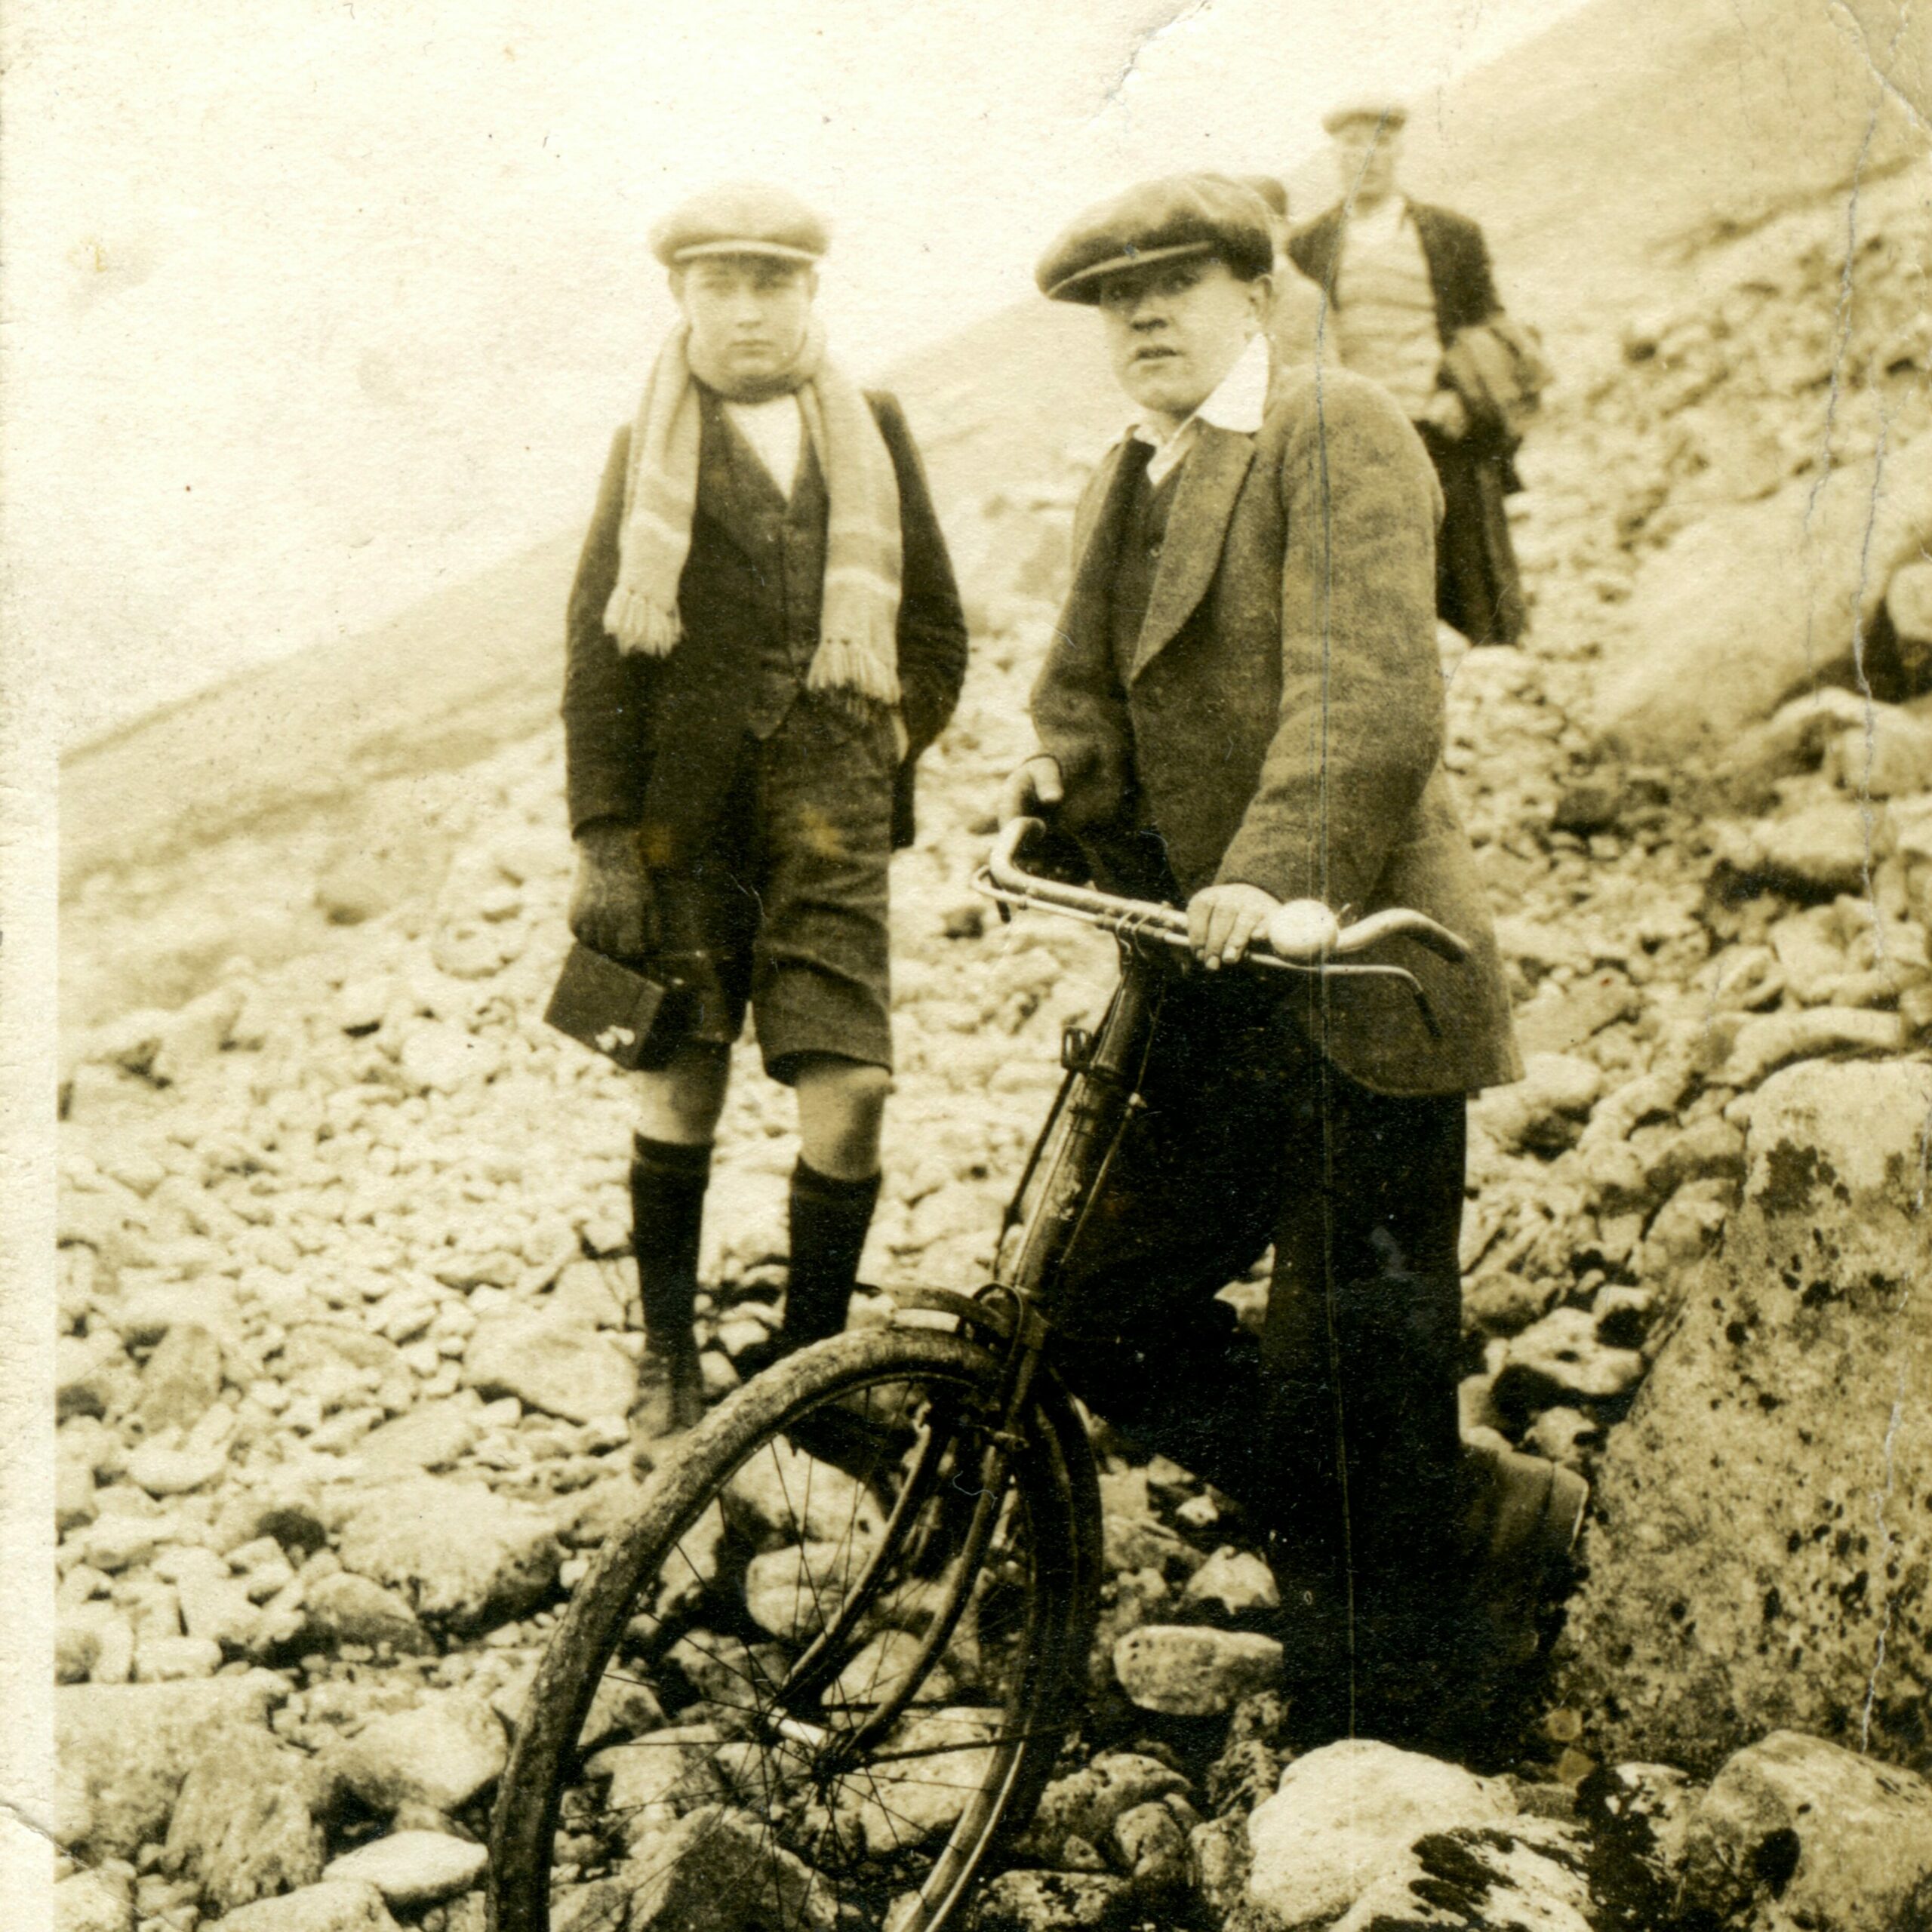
[{"x": 966, "y": 968}]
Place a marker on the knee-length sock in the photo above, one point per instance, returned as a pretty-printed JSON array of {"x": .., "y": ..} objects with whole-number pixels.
[
  {"x": 668, "y": 1183},
  {"x": 829, "y": 1220}
]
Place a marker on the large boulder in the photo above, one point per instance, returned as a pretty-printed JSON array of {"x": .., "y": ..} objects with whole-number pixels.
[
  {"x": 460, "y": 1554},
  {"x": 412, "y": 1868},
  {"x": 344, "y": 1608},
  {"x": 334, "y": 1906},
  {"x": 1343, "y": 1818},
  {"x": 720, "y": 1870},
  {"x": 431, "y": 1436},
  {"x": 1183, "y": 1670},
  {"x": 124, "y": 1750},
  {"x": 243, "y": 1828},
  {"x": 1835, "y": 1840},
  {"x": 439, "y": 1754},
  {"x": 555, "y": 1366},
  {"x": 1749, "y": 607},
  {"x": 92, "y": 1901},
  {"x": 183, "y": 1379},
  {"x": 1529, "y": 1872},
  {"x": 1759, "y": 1545}
]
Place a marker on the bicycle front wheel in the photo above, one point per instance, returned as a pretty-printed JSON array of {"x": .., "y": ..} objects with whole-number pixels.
[{"x": 799, "y": 1690}]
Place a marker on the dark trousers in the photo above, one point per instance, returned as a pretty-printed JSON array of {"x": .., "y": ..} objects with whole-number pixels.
[
  {"x": 1338, "y": 1428},
  {"x": 1479, "y": 587}
]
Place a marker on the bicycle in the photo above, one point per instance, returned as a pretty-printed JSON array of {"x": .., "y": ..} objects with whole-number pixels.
[{"x": 861, "y": 1595}]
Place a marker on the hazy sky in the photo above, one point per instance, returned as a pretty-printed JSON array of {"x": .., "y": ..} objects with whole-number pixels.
[{"x": 315, "y": 305}]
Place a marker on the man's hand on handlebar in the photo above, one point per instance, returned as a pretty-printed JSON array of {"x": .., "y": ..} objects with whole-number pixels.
[
  {"x": 1224, "y": 921},
  {"x": 1032, "y": 791}
]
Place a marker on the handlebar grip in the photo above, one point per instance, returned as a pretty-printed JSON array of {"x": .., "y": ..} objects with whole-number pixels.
[
  {"x": 1003, "y": 861},
  {"x": 1398, "y": 922}
]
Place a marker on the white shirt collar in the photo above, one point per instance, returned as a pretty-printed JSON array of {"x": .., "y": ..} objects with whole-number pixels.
[{"x": 1239, "y": 402}]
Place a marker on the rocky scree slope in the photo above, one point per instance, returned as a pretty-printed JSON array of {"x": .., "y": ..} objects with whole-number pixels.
[{"x": 345, "y": 1344}]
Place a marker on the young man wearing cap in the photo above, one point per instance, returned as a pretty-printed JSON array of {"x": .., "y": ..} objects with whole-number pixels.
[
  {"x": 1402, "y": 278},
  {"x": 764, "y": 636},
  {"x": 1241, "y": 709}
]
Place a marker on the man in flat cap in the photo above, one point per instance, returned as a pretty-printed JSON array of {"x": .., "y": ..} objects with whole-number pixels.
[
  {"x": 1240, "y": 710},
  {"x": 764, "y": 636},
  {"x": 1403, "y": 280}
]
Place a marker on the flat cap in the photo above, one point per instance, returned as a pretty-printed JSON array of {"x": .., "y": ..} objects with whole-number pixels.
[
  {"x": 1161, "y": 220},
  {"x": 1391, "y": 114},
  {"x": 1272, "y": 190},
  {"x": 740, "y": 218}
]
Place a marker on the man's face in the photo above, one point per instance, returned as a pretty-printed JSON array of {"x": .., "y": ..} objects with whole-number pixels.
[
  {"x": 1366, "y": 152},
  {"x": 747, "y": 313},
  {"x": 1175, "y": 329}
]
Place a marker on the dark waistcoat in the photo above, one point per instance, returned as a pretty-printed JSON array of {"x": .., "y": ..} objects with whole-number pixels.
[
  {"x": 786, "y": 541},
  {"x": 655, "y": 741},
  {"x": 750, "y": 591},
  {"x": 1143, "y": 532}
]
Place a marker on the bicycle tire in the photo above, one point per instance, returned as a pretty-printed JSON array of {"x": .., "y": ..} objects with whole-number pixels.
[{"x": 1052, "y": 1500}]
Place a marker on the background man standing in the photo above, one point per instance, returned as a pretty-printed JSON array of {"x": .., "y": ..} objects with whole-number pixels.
[
  {"x": 764, "y": 636},
  {"x": 1241, "y": 709},
  {"x": 1402, "y": 278}
]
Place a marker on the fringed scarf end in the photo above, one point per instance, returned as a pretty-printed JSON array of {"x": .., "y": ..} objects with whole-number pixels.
[
  {"x": 640, "y": 625},
  {"x": 844, "y": 663}
]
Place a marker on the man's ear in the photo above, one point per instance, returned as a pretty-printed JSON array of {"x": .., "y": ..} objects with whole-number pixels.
[
  {"x": 676, "y": 279},
  {"x": 1261, "y": 297},
  {"x": 812, "y": 285}
]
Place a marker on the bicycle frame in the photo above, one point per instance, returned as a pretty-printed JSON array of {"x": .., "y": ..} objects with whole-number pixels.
[
  {"x": 1064, "y": 1176},
  {"x": 1094, "y": 1106}
]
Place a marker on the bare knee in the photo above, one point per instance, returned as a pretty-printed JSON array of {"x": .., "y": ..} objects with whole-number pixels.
[
  {"x": 681, "y": 1102},
  {"x": 841, "y": 1109}
]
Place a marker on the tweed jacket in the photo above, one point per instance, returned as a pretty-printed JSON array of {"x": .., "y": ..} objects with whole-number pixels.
[
  {"x": 1459, "y": 276},
  {"x": 1282, "y": 723},
  {"x": 654, "y": 741},
  {"x": 1452, "y": 245}
]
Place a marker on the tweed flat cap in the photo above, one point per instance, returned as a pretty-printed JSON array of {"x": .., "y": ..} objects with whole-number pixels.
[
  {"x": 1392, "y": 114},
  {"x": 740, "y": 218},
  {"x": 1161, "y": 220},
  {"x": 1272, "y": 190}
]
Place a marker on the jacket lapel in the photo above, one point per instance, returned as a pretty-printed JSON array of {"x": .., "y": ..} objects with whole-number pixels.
[
  {"x": 1210, "y": 479},
  {"x": 1436, "y": 244},
  {"x": 1096, "y": 550}
]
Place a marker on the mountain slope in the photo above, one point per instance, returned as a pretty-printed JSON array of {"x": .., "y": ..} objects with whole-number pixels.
[{"x": 1600, "y": 157}]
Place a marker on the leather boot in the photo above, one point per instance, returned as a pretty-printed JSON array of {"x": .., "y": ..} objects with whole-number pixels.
[
  {"x": 1522, "y": 1517},
  {"x": 670, "y": 1394}
]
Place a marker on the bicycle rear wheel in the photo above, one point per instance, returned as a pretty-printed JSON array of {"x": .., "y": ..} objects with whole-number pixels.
[{"x": 784, "y": 1696}]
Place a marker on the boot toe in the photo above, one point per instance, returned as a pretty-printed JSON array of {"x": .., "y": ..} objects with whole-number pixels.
[{"x": 669, "y": 1398}]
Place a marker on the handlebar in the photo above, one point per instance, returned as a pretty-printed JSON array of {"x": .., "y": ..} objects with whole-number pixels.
[{"x": 1003, "y": 879}]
